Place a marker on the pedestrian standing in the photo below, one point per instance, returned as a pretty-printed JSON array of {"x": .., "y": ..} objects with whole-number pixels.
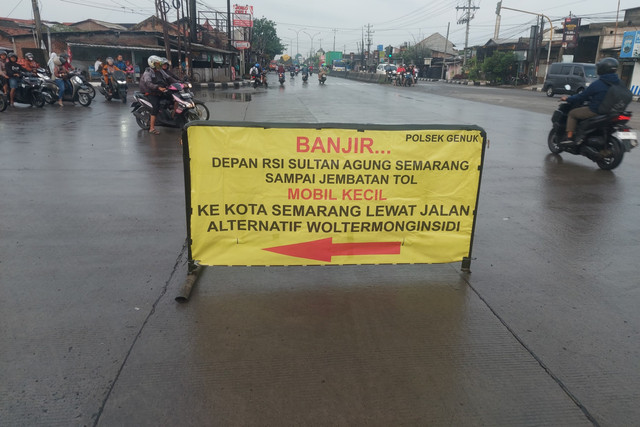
[{"x": 97, "y": 66}]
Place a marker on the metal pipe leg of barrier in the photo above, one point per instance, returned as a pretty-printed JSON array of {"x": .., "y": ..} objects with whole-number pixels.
[{"x": 187, "y": 286}]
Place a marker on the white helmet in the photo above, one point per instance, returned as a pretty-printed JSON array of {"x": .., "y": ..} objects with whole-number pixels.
[{"x": 153, "y": 60}]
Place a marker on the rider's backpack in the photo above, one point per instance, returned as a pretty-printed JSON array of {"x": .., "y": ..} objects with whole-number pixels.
[{"x": 616, "y": 99}]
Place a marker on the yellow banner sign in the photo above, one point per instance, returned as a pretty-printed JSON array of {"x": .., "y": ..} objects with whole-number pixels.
[{"x": 314, "y": 194}]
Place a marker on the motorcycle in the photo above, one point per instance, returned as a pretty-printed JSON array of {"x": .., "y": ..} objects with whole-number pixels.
[
  {"x": 177, "y": 108},
  {"x": 75, "y": 91},
  {"x": 117, "y": 87},
  {"x": 29, "y": 90},
  {"x": 4, "y": 102},
  {"x": 322, "y": 77},
  {"x": 603, "y": 139},
  {"x": 305, "y": 77},
  {"x": 292, "y": 73},
  {"x": 201, "y": 109},
  {"x": 92, "y": 90},
  {"x": 260, "y": 80},
  {"x": 281, "y": 78},
  {"x": 408, "y": 79}
]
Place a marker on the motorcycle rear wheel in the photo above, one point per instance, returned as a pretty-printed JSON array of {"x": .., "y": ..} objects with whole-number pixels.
[
  {"x": 614, "y": 159},
  {"x": 553, "y": 143},
  {"x": 3, "y": 103}
]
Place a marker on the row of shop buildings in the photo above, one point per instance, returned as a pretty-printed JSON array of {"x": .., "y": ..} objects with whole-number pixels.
[
  {"x": 209, "y": 58},
  {"x": 213, "y": 58}
]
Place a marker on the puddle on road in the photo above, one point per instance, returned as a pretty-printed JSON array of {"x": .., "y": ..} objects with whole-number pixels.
[{"x": 224, "y": 96}]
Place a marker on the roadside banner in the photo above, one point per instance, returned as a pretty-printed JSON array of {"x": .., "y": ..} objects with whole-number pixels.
[{"x": 307, "y": 194}]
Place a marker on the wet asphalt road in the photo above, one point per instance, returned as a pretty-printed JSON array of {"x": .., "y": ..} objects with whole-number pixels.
[{"x": 544, "y": 331}]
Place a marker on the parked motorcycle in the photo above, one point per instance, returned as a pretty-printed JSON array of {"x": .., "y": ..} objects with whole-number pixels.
[
  {"x": 117, "y": 88},
  {"x": 176, "y": 108},
  {"x": 29, "y": 90},
  {"x": 75, "y": 90},
  {"x": 281, "y": 78},
  {"x": 604, "y": 138}
]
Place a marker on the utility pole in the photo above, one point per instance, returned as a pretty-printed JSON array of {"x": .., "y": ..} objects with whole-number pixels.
[
  {"x": 335, "y": 30},
  {"x": 550, "y": 29},
  {"x": 369, "y": 32},
  {"x": 466, "y": 18},
  {"x": 161, "y": 10},
  {"x": 444, "y": 58},
  {"x": 36, "y": 17}
]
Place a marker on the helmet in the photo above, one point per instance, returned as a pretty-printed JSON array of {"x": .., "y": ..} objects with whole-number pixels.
[
  {"x": 109, "y": 60},
  {"x": 607, "y": 66},
  {"x": 63, "y": 57},
  {"x": 13, "y": 55},
  {"x": 28, "y": 56},
  {"x": 154, "y": 61},
  {"x": 164, "y": 61},
  {"x": 257, "y": 65},
  {"x": 3, "y": 52}
]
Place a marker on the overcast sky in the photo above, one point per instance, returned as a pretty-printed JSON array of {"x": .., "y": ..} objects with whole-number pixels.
[{"x": 392, "y": 22}]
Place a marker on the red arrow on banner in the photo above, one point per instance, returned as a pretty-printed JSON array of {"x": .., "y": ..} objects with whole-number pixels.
[{"x": 324, "y": 249}]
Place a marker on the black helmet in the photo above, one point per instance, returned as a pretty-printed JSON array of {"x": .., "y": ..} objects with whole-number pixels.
[
  {"x": 12, "y": 55},
  {"x": 63, "y": 57},
  {"x": 28, "y": 56},
  {"x": 607, "y": 66}
]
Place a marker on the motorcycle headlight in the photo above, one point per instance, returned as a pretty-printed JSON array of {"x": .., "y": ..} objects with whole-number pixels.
[{"x": 76, "y": 80}]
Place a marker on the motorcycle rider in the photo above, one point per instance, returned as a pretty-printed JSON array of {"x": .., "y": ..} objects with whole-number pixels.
[
  {"x": 255, "y": 71},
  {"x": 13, "y": 70},
  {"x": 153, "y": 85},
  {"x": 607, "y": 70},
  {"x": 400, "y": 74},
  {"x": 60, "y": 74},
  {"x": 29, "y": 63},
  {"x": 322, "y": 71},
  {"x": 107, "y": 70},
  {"x": 4, "y": 78},
  {"x": 171, "y": 77}
]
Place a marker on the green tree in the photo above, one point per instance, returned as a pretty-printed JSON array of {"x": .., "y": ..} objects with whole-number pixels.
[
  {"x": 499, "y": 66},
  {"x": 415, "y": 54},
  {"x": 472, "y": 68},
  {"x": 264, "y": 39}
]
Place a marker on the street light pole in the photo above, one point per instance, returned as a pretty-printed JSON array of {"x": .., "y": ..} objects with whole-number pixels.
[
  {"x": 311, "y": 37},
  {"x": 550, "y": 27},
  {"x": 297, "y": 41}
]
